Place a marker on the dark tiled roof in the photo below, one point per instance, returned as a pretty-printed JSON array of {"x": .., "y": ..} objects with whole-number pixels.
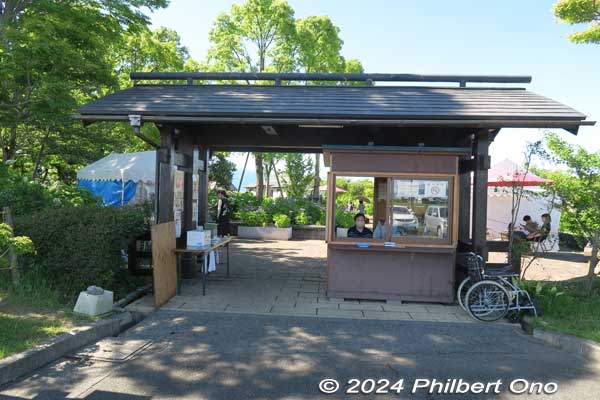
[{"x": 368, "y": 102}]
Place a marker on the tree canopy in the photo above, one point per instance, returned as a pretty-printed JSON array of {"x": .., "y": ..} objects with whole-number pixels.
[
  {"x": 50, "y": 64},
  {"x": 577, "y": 185},
  {"x": 580, "y": 12},
  {"x": 264, "y": 35}
]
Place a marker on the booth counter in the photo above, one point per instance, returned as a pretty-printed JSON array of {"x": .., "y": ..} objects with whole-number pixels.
[{"x": 416, "y": 201}]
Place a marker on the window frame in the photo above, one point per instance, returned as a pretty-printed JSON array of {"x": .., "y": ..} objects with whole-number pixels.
[{"x": 401, "y": 241}]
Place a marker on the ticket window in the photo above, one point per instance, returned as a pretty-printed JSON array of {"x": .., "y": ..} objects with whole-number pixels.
[{"x": 407, "y": 209}]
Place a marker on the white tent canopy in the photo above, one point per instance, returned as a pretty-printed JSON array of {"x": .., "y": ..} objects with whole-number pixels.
[
  {"x": 534, "y": 202},
  {"x": 136, "y": 167}
]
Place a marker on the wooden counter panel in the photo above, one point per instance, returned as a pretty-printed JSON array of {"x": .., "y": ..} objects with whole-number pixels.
[{"x": 405, "y": 275}]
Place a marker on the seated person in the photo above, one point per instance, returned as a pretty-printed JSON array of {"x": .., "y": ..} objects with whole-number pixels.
[
  {"x": 380, "y": 230},
  {"x": 359, "y": 230},
  {"x": 530, "y": 225},
  {"x": 527, "y": 228},
  {"x": 542, "y": 233}
]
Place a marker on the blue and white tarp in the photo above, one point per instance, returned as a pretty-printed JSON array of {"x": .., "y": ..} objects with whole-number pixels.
[
  {"x": 113, "y": 193},
  {"x": 120, "y": 178}
]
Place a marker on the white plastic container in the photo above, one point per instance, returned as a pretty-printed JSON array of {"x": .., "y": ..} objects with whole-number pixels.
[{"x": 94, "y": 304}]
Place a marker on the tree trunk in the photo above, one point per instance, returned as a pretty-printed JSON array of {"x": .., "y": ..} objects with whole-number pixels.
[
  {"x": 11, "y": 146},
  {"x": 260, "y": 187},
  {"x": 268, "y": 180},
  {"x": 243, "y": 172},
  {"x": 593, "y": 262},
  {"x": 38, "y": 158},
  {"x": 317, "y": 182},
  {"x": 2, "y": 145},
  {"x": 12, "y": 256},
  {"x": 277, "y": 178}
]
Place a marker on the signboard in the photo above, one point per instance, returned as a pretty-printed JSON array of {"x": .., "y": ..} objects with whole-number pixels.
[
  {"x": 178, "y": 201},
  {"x": 436, "y": 189}
]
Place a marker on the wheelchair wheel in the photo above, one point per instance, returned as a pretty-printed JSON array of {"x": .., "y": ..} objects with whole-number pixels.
[
  {"x": 461, "y": 293},
  {"x": 487, "y": 301},
  {"x": 514, "y": 317}
]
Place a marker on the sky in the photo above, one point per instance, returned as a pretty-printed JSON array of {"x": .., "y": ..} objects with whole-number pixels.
[{"x": 510, "y": 37}]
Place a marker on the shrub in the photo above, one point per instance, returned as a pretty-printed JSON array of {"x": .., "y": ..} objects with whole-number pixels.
[
  {"x": 282, "y": 221},
  {"x": 344, "y": 219},
  {"x": 81, "y": 246},
  {"x": 241, "y": 202},
  {"x": 24, "y": 196},
  {"x": 273, "y": 207},
  {"x": 302, "y": 218},
  {"x": 253, "y": 218},
  {"x": 20, "y": 244},
  {"x": 322, "y": 219}
]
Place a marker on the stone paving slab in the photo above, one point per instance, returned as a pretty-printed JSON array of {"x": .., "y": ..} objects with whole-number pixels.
[{"x": 330, "y": 312}]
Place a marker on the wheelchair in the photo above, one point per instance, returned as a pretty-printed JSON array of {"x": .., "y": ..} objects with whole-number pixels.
[{"x": 489, "y": 294}]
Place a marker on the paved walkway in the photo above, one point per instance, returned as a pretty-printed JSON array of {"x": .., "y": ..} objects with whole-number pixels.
[
  {"x": 288, "y": 278},
  {"x": 549, "y": 269},
  {"x": 243, "y": 356}
]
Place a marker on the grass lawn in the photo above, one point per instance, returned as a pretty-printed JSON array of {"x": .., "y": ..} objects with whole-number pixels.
[
  {"x": 30, "y": 316},
  {"x": 567, "y": 308}
]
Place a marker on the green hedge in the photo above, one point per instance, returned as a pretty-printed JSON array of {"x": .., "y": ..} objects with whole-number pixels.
[{"x": 81, "y": 246}]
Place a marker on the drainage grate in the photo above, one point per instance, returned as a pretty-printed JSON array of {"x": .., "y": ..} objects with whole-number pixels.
[{"x": 112, "y": 350}]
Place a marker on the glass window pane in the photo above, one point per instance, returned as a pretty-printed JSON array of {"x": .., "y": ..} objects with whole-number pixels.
[
  {"x": 353, "y": 196},
  {"x": 420, "y": 209}
]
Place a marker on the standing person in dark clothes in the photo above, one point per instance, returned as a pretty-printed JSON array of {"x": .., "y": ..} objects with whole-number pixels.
[{"x": 223, "y": 213}]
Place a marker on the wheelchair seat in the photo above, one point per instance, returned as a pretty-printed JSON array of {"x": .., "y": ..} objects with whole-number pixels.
[{"x": 495, "y": 269}]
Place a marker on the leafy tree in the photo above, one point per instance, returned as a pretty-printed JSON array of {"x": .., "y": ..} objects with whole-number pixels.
[
  {"x": 221, "y": 170},
  {"x": 55, "y": 147},
  {"x": 262, "y": 35},
  {"x": 246, "y": 40},
  {"x": 580, "y": 12},
  {"x": 578, "y": 186},
  {"x": 297, "y": 175},
  {"x": 49, "y": 61},
  {"x": 149, "y": 51},
  {"x": 270, "y": 161}
]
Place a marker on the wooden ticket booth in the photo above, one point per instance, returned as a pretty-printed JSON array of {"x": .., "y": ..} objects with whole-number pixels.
[
  {"x": 425, "y": 148},
  {"x": 416, "y": 201}
]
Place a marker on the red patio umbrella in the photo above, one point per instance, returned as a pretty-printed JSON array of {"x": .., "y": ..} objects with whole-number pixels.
[
  {"x": 337, "y": 189},
  {"x": 508, "y": 173}
]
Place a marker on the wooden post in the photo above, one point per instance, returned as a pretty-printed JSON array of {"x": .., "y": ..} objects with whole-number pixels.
[
  {"x": 593, "y": 262},
  {"x": 480, "y": 192},
  {"x": 203, "y": 189},
  {"x": 464, "y": 207},
  {"x": 185, "y": 147},
  {"x": 165, "y": 158}
]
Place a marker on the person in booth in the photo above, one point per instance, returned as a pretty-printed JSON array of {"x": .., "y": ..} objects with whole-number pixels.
[{"x": 359, "y": 230}]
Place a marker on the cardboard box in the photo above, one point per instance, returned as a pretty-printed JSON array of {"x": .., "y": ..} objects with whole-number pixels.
[{"x": 196, "y": 238}]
